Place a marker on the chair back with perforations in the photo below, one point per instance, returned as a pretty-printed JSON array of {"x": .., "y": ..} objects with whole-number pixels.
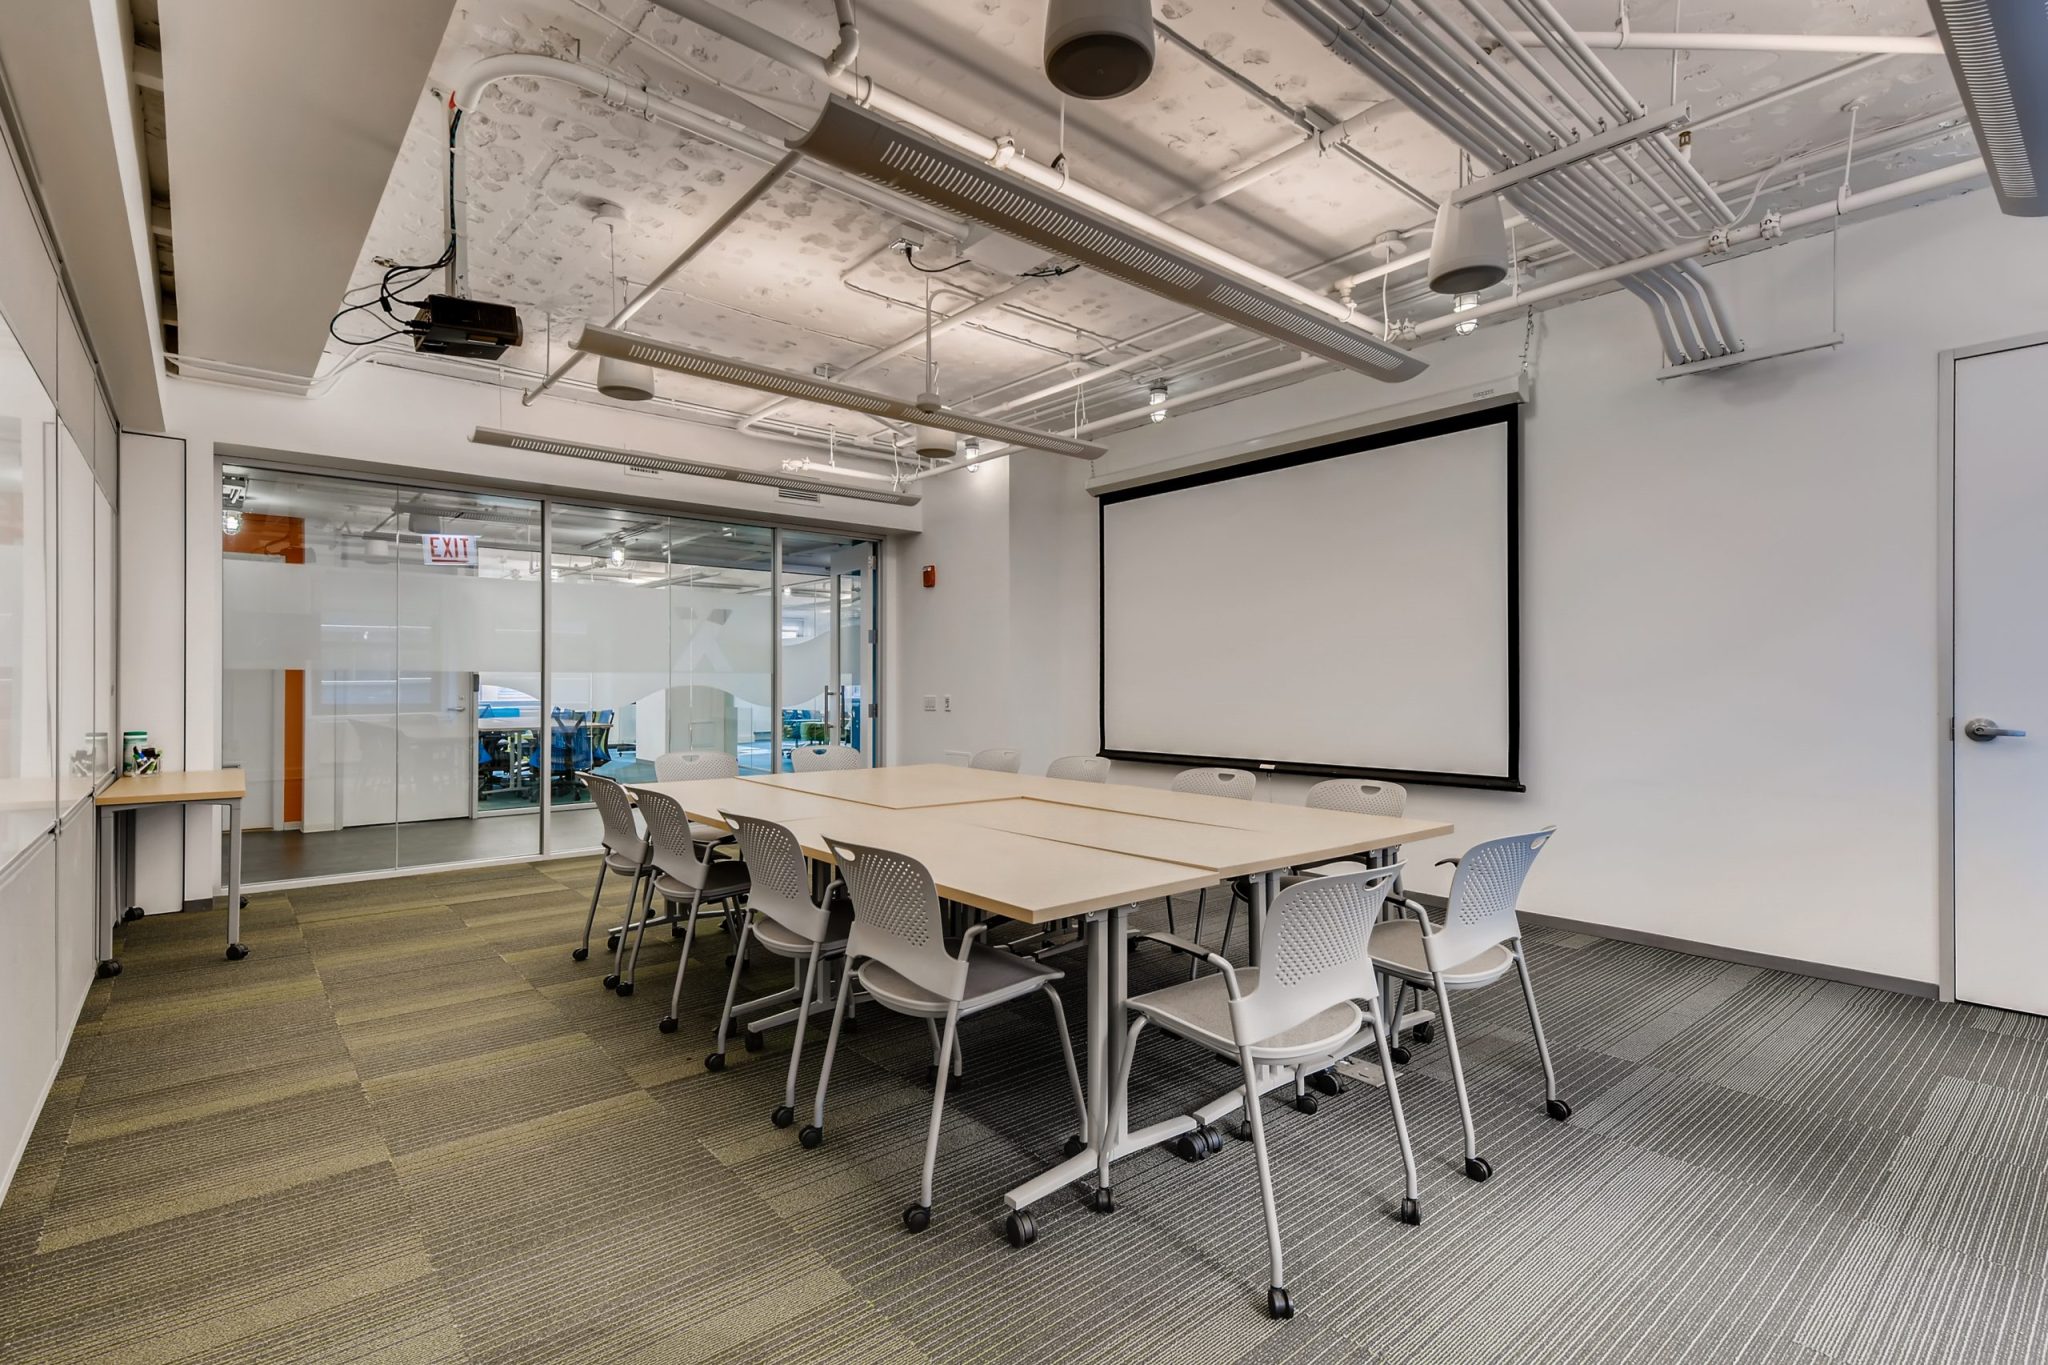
[
  {"x": 615, "y": 813},
  {"x": 779, "y": 876},
  {"x": 1316, "y": 950},
  {"x": 997, "y": 760},
  {"x": 668, "y": 830},
  {"x": 694, "y": 765},
  {"x": 1484, "y": 892},
  {"x": 1231, "y": 782},
  {"x": 1356, "y": 796},
  {"x": 1079, "y": 768},
  {"x": 896, "y": 919},
  {"x": 825, "y": 758}
]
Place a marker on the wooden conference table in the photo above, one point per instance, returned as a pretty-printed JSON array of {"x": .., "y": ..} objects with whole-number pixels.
[
  {"x": 127, "y": 795},
  {"x": 1040, "y": 849}
]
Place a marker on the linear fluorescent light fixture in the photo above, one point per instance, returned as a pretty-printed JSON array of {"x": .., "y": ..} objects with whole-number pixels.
[
  {"x": 1998, "y": 50},
  {"x": 668, "y": 355},
  {"x": 878, "y": 149},
  {"x": 664, "y": 464}
]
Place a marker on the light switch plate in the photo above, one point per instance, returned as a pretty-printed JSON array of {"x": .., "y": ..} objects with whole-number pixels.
[{"x": 931, "y": 702}]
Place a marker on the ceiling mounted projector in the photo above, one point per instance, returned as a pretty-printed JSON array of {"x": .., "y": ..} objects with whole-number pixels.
[
  {"x": 1469, "y": 251},
  {"x": 1098, "y": 49},
  {"x": 1998, "y": 50},
  {"x": 852, "y": 139},
  {"x": 667, "y": 355}
]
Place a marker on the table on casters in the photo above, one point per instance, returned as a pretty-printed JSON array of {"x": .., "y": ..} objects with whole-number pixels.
[{"x": 117, "y": 807}]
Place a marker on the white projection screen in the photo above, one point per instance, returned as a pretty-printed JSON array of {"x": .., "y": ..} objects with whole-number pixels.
[{"x": 1343, "y": 610}]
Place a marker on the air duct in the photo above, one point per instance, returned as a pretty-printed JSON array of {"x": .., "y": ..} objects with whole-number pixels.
[
  {"x": 1098, "y": 49},
  {"x": 1998, "y": 50},
  {"x": 663, "y": 464},
  {"x": 1469, "y": 250}
]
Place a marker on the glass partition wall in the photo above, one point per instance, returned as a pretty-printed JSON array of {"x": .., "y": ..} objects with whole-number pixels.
[{"x": 419, "y": 677}]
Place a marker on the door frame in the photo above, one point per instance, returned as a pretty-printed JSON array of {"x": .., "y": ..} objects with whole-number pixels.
[{"x": 1945, "y": 638}]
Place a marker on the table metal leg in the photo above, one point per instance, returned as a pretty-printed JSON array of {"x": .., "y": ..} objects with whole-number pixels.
[
  {"x": 107, "y": 892},
  {"x": 236, "y": 949}
]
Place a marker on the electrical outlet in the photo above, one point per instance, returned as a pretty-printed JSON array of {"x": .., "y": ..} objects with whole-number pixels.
[
  {"x": 949, "y": 701},
  {"x": 931, "y": 703}
]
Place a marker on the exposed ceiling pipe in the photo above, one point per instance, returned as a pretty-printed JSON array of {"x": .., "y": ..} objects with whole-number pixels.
[
  {"x": 718, "y": 225},
  {"x": 1004, "y": 154},
  {"x": 1895, "y": 45},
  {"x": 1928, "y": 183},
  {"x": 1785, "y": 92}
]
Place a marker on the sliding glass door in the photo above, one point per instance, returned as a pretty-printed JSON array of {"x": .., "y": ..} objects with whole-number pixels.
[{"x": 827, "y": 642}]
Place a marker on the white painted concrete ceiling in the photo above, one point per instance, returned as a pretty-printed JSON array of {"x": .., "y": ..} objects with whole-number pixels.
[{"x": 805, "y": 278}]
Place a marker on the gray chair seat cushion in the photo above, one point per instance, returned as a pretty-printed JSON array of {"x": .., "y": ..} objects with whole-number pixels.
[
  {"x": 1199, "y": 1010},
  {"x": 1397, "y": 948},
  {"x": 786, "y": 943},
  {"x": 724, "y": 878},
  {"x": 993, "y": 977}
]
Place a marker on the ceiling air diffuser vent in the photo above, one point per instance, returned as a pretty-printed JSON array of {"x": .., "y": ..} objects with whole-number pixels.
[
  {"x": 1999, "y": 52},
  {"x": 877, "y": 149}
]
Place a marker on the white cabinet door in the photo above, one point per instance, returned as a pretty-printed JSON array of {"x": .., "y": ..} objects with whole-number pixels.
[{"x": 2001, "y": 678}]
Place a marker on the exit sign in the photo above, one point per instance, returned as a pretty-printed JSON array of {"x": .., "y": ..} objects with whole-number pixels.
[{"x": 445, "y": 549}]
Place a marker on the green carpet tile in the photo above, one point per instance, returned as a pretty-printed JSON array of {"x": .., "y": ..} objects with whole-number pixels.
[{"x": 410, "y": 1128}]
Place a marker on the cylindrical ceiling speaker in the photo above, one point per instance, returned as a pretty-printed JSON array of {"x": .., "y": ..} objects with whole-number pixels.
[
  {"x": 1098, "y": 49},
  {"x": 1470, "y": 250},
  {"x": 624, "y": 379},
  {"x": 934, "y": 444}
]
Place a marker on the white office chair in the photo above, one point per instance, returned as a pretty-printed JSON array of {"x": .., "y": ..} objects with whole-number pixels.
[
  {"x": 1313, "y": 998},
  {"x": 626, "y": 851},
  {"x": 1233, "y": 784},
  {"x": 897, "y": 952},
  {"x": 784, "y": 919},
  {"x": 697, "y": 765},
  {"x": 1353, "y": 796},
  {"x": 683, "y": 871},
  {"x": 996, "y": 760},
  {"x": 825, "y": 758},
  {"x": 1479, "y": 943},
  {"x": 1079, "y": 768}
]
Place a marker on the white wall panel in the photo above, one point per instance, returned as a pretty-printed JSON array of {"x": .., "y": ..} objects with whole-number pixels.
[
  {"x": 28, "y": 280},
  {"x": 28, "y": 995},
  {"x": 77, "y": 394},
  {"x": 151, "y": 676},
  {"x": 77, "y": 914}
]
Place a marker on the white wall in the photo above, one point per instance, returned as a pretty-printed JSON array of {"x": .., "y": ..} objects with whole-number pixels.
[{"x": 1729, "y": 697}]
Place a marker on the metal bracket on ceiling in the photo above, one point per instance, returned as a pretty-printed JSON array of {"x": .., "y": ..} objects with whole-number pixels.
[
  {"x": 1717, "y": 241},
  {"x": 1771, "y": 226}
]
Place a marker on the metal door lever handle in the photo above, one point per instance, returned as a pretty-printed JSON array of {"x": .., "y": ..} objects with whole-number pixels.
[{"x": 1981, "y": 729}]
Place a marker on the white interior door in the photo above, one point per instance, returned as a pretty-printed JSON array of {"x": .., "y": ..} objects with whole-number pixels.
[
  {"x": 437, "y": 747},
  {"x": 2001, "y": 679}
]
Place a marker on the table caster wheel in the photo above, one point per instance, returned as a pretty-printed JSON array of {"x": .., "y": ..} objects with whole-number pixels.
[
  {"x": 1478, "y": 1168},
  {"x": 1411, "y": 1213},
  {"x": 624, "y": 988},
  {"x": 131, "y": 914},
  {"x": 728, "y": 961},
  {"x": 1020, "y": 1227},
  {"x": 245, "y": 903},
  {"x": 1307, "y": 1104},
  {"x": 668, "y": 1024},
  {"x": 755, "y": 1042},
  {"x": 1191, "y": 1147},
  {"x": 237, "y": 951},
  {"x": 1423, "y": 1031},
  {"x": 611, "y": 981},
  {"x": 611, "y": 943},
  {"x": 579, "y": 954},
  {"x": 1399, "y": 1054},
  {"x": 1241, "y": 1129},
  {"x": 1557, "y": 1109},
  {"x": 1102, "y": 1201},
  {"x": 715, "y": 1062},
  {"x": 918, "y": 1217},
  {"x": 109, "y": 968},
  {"x": 810, "y": 1135},
  {"x": 1326, "y": 1082},
  {"x": 1074, "y": 1147},
  {"x": 1278, "y": 1304},
  {"x": 783, "y": 1116}
]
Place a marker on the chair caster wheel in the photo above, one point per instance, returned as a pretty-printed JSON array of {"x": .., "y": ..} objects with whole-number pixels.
[
  {"x": 668, "y": 1024},
  {"x": 108, "y": 968},
  {"x": 131, "y": 914},
  {"x": 755, "y": 1042},
  {"x": 1478, "y": 1168},
  {"x": 918, "y": 1217},
  {"x": 1241, "y": 1129},
  {"x": 579, "y": 954},
  {"x": 675, "y": 931},
  {"x": 1307, "y": 1104},
  {"x": 1102, "y": 1201},
  {"x": 1191, "y": 1147},
  {"x": 810, "y": 1135},
  {"x": 783, "y": 1116},
  {"x": 1411, "y": 1213},
  {"x": 237, "y": 951},
  {"x": 1399, "y": 1055},
  {"x": 1074, "y": 1147},
  {"x": 715, "y": 1062},
  {"x": 1557, "y": 1109},
  {"x": 611, "y": 943},
  {"x": 611, "y": 981},
  {"x": 1326, "y": 1082},
  {"x": 624, "y": 988},
  {"x": 1020, "y": 1227},
  {"x": 1278, "y": 1304},
  {"x": 1423, "y": 1031}
]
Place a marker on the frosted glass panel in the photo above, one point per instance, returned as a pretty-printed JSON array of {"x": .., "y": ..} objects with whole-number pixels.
[{"x": 28, "y": 793}]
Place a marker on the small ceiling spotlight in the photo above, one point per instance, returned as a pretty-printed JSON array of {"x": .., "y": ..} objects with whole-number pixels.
[
  {"x": 618, "y": 556},
  {"x": 1465, "y": 303},
  {"x": 1156, "y": 395},
  {"x": 1466, "y": 326}
]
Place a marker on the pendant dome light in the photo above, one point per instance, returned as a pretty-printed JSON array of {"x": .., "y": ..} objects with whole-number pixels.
[
  {"x": 621, "y": 379},
  {"x": 1098, "y": 49},
  {"x": 1469, "y": 251}
]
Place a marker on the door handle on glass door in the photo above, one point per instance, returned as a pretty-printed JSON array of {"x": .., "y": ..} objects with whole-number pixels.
[{"x": 1982, "y": 730}]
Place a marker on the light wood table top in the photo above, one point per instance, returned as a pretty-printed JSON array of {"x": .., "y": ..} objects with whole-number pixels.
[
  {"x": 909, "y": 787},
  {"x": 705, "y": 799},
  {"x": 228, "y": 784},
  {"x": 1013, "y": 875},
  {"x": 1281, "y": 816}
]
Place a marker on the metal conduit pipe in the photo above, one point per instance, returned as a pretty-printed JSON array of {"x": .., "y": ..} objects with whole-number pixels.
[
  {"x": 1330, "y": 33},
  {"x": 1890, "y": 45},
  {"x": 1580, "y": 115},
  {"x": 1494, "y": 98},
  {"x": 1048, "y": 415},
  {"x": 1571, "y": 228},
  {"x": 1484, "y": 136}
]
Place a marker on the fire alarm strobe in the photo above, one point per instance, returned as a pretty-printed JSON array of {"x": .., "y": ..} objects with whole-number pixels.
[{"x": 931, "y": 575}]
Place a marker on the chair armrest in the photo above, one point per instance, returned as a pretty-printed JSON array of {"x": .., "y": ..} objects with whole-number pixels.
[
  {"x": 1181, "y": 945},
  {"x": 1446, "y": 862}
]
